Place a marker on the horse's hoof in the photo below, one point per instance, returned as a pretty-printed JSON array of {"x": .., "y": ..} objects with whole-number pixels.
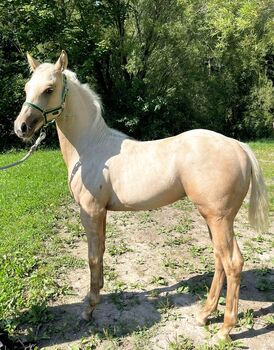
[
  {"x": 87, "y": 314},
  {"x": 201, "y": 321},
  {"x": 220, "y": 337}
]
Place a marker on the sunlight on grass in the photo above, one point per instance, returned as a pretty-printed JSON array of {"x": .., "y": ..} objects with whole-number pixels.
[
  {"x": 30, "y": 197},
  {"x": 264, "y": 152}
]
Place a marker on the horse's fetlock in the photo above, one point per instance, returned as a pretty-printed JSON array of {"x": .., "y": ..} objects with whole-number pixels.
[{"x": 93, "y": 298}]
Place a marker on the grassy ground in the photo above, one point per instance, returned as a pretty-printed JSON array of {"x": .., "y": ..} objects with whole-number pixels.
[
  {"x": 265, "y": 154},
  {"x": 32, "y": 253},
  {"x": 37, "y": 228}
]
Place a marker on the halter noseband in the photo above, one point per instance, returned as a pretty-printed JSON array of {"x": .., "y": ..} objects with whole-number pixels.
[{"x": 55, "y": 112}]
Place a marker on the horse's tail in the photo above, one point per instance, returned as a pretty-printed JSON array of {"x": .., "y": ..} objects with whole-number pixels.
[{"x": 258, "y": 203}]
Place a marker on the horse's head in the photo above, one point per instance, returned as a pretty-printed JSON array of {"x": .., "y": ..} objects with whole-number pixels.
[{"x": 45, "y": 96}]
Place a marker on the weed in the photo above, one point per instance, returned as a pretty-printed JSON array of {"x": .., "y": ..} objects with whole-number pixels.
[
  {"x": 212, "y": 329},
  {"x": 118, "y": 248},
  {"x": 137, "y": 285},
  {"x": 75, "y": 229},
  {"x": 184, "y": 225},
  {"x": 259, "y": 238},
  {"x": 159, "y": 281},
  {"x": 263, "y": 271},
  {"x": 109, "y": 273},
  {"x": 207, "y": 264},
  {"x": 184, "y": 288},
  {"x": 111, "y": 230},
  {"x": 199, "y": 288},
  {"x": 133, "y": 300},
  {"x": 176, "y": 241},
  {"x": 196, "y": 250},
  {"x": 119, "y": 286},
  {"x": 181, "y": 343},
  {"x": 222, "y": 301},
  {"x": 145, "y": 217},
  {"x": 223, "y": 345},
  {"x": 154, "y": 293},
  {"x": 118, "y": 299},
  {"x": 269, "y": 320},
  {"x": 141, "y": 338},
  {"x": 246, "y": 319},
  {"x": 91, "y": 342},
  {"x": 184, "y": 205},
  {"x": 170, "y": 263},
  {"x": 264, "y": 285},
  {"x": 164, "y": 305}
]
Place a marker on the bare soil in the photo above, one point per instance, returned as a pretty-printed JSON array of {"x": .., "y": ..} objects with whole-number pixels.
[{"x": 158, "y": 266}]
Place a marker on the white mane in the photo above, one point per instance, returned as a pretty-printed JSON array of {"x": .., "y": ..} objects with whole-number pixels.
[
  {"x": 96, "y": 101},
  {"x": 93, "y": 96}
]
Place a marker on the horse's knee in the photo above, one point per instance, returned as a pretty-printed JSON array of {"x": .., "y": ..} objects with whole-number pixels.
[{"x": 93, "y": 262}]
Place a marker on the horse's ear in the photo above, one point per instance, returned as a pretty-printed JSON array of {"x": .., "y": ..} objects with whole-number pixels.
[
  {"x": 62, "y": 62},
  {"x": 33, "y": 63}
]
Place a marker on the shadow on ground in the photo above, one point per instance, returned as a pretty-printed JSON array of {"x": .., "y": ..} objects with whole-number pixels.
[{"x": 123, "y": 313}]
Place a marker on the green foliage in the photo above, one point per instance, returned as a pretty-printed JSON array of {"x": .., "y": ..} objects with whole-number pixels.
[
  {"x": 181, "y": 343},
  {"x": 161, "y": 67}
]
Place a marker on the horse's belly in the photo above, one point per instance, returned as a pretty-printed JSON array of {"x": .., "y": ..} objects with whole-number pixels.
[
  {"x": 145, "y": 194},
  {"x": 145, "y": 203}
]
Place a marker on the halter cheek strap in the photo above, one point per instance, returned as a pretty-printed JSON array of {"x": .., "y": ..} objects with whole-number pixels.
[{"x": 53, "y": 112}]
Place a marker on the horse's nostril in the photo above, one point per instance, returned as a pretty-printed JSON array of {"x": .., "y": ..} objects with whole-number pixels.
[{"x": 24, "y": 127}]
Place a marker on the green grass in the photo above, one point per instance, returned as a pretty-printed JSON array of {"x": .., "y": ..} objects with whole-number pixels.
[
  {"x": 30, "y": 198},
  {"x": 264, "y": 152}
]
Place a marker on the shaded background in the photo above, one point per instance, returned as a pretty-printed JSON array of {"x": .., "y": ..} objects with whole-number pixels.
[{"x": 161, "y": 66}]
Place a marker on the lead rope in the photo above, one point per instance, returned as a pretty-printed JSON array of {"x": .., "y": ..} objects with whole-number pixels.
[{"x": 32, "y": 150}]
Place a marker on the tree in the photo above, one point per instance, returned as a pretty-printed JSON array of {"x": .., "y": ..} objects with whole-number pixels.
[{"x": 161, "y": 66}]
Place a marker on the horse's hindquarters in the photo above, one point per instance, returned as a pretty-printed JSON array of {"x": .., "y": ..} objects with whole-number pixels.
[{"x": 216, "y": 175}]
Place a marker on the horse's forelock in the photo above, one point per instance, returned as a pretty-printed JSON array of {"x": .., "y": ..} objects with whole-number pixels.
[{"x": 42, "y": 68}]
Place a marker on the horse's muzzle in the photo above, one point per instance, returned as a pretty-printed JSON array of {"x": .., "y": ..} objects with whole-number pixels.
[
  {"x": 26, "y": 124},
  {"x": 22, "y": 130}
]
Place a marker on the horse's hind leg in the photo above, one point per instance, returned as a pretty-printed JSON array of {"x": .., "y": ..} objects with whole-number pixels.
[
  {"x": 229, "y": 258},
  {"x": 214, "y": 292},
  {"x": 233, "y": 264},
  {"x": 95, "y": 225}
]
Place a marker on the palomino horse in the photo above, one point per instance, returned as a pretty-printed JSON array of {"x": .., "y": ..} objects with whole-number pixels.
[{"x": 107, "y": 170}]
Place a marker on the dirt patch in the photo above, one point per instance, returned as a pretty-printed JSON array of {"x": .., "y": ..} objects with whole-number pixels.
[{"x": 158, "y": 266}]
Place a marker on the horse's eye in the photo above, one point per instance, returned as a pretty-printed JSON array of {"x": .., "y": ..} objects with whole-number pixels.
[{"x": 48, "y": 91}]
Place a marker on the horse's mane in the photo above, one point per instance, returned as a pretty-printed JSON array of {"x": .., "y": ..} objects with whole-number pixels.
[
  {"x": 92, "y": 95},
  {"x": 96, "y": 101}
]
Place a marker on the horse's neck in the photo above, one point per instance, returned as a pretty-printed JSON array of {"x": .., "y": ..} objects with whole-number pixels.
[
  {"x": 82, "y": 131},
  {"x": 81, "y": 127}
]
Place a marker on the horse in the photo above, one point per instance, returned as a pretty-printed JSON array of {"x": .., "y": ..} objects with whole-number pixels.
[{"x": 108, "y": 170}]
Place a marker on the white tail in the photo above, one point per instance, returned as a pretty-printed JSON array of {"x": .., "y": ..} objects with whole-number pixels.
[{"x": 258, "y": 203}]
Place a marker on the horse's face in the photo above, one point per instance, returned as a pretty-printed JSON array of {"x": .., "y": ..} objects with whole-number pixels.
[{"x": 43, "y": 90}]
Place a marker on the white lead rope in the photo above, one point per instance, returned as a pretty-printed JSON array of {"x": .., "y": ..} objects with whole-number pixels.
[{"x": 32, "y": 150}]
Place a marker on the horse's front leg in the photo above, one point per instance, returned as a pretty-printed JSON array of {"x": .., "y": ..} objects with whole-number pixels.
[{"x": 94, "y": 223}]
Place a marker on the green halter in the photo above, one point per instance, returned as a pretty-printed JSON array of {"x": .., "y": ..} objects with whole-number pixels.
[{"x": 55, "y": 112}]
